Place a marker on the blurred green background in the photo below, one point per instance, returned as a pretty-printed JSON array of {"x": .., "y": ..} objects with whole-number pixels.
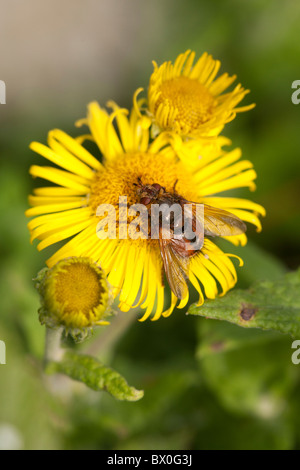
[{"x": 57, "y": 56}]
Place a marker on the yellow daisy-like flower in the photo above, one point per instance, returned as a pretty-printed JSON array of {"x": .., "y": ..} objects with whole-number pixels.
[
  {"x": 134, "y": 267},
  {"x": 188, "y": 99},
  {"x": 74, "y": 294}
]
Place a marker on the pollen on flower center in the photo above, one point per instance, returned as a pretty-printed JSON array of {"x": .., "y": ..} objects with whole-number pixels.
[
  {"x": 77, "y": 287},
  {"x": 193, "y": 103},
  {"x": 119, "y": 178}
]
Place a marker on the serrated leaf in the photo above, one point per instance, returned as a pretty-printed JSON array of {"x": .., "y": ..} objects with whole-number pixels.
[
  {"x": 95, "y": 375},
  {"x": 267, "y": 305}
]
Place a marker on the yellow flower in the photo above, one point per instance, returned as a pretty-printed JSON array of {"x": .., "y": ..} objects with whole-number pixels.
[
  {"x": 74, "y": 294},
  {"x": 188, "y": 99},
  {"x": 134, "y": 267}
]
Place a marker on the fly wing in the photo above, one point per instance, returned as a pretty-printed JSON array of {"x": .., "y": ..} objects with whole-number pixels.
[
  {"x": 176, "y": 268},
  {"x": 221, "y": 223}
]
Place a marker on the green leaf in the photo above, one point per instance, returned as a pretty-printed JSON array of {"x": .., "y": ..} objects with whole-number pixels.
[
  {"x": 266, "y": 305},
  {"x": 220, "y": 337},
  {"x": 95, "y": 375},
  {"x": 249, "y": 371}
]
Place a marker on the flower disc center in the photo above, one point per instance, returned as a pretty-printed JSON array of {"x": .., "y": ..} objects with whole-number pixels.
[
  {"x": 191, "y": 100},
  {"x": 77, "y": 287}
]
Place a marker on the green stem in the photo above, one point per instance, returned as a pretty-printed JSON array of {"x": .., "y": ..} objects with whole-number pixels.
[{"x": 53, "y": 349}]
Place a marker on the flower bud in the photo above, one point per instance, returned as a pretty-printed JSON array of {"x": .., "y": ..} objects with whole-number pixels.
[{"x": 74, "y": 294}]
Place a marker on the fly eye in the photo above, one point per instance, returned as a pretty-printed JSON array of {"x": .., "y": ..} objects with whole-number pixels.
[{"x": 156, "y": 186}]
